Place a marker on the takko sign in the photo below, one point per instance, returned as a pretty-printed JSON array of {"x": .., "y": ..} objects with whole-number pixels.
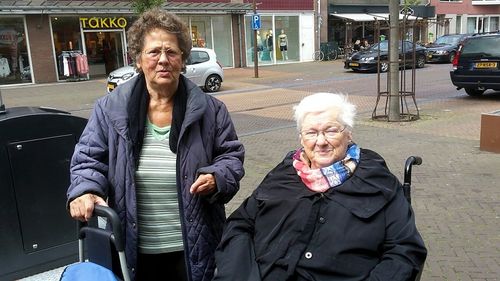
[{"x": 103, "y": 23}]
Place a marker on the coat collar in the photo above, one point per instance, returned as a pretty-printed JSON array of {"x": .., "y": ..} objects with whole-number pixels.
[{"x": 368, "y": 190}]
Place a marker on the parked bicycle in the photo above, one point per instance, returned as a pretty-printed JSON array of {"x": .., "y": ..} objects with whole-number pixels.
[{"x": 326, "y": 52}]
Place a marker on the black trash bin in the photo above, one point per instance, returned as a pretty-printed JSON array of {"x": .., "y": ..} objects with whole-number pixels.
[{"x": 37, "y": 234}]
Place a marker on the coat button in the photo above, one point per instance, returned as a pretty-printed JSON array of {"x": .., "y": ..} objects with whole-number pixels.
[
  {"x": 133, "y": 225},
  {"x": 322, "y": 220},
  {"x": 132, "y": 269},
  {"x": 185, "y": 177},
  {"x": 308, "y": 255}
]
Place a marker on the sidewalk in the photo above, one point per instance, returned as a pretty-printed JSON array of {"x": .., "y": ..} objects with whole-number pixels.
[{"x": 455, "y": 191}]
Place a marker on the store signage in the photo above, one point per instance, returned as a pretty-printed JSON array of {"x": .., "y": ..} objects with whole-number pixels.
[{"x": 103, "y": 23}]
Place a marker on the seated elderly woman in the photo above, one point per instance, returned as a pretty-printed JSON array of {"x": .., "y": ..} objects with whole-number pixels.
[{"x": 329, "y": 211}]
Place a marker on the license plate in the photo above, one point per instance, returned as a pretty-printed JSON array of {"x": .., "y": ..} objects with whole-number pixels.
[
  {"x": 111, "y": 87},
  {"x": 353, "y": 64},
  {"x": 485, "y": 65}
]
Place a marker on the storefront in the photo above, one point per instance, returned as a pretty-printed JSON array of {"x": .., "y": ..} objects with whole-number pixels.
[
  {"x": 98, "y": 41},
  {"x": 282, "y": 38},
  {"x": 75, "y": 43},
  {"x": 14, "y": 53}
]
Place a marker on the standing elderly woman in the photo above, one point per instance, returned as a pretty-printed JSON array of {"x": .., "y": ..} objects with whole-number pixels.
[
  {"x": 163, "y": 154},
  {"x": 328, "y": 211}
]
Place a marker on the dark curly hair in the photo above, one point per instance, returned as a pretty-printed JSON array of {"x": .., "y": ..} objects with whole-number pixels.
[{"x": 157, "y": 18}]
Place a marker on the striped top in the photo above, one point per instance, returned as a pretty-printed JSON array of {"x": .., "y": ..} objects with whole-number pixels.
[{"x": 158, "y": 217}]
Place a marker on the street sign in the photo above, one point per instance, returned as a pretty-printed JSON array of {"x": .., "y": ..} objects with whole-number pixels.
[{"x": 255, "y": 22}]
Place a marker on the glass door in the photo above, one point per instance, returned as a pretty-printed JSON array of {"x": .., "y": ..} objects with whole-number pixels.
[{"x": 105, "y": 52}]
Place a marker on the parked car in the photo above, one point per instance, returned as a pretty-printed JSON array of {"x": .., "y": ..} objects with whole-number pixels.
[
  {"x": 202, "y": 68},
  {"x": 476, "y": 67},
  {"x": 445, "y": 48},
  {"x": 367, "y": 60}
]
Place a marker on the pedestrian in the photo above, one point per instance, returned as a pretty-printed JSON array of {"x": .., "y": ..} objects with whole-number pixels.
[
  {"x": 163, "y": 154},
  {"x": 357, "y": 45},
  {"x": 329, "y": 211}
]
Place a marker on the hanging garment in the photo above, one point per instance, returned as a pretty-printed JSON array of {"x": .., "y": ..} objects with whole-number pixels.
[{"x": 4, "y": 67}]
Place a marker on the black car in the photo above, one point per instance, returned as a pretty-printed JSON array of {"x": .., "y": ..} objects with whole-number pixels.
[
  {"x": 367, "y": 60},
  {"x": 476, "y": 66},
  {"x": 445, "y": 48}
]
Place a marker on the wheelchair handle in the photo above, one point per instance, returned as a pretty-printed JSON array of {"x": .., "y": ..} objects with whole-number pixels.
[{"x": 412, "y": 160}]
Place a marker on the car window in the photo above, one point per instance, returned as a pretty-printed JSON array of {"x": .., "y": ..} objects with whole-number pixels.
[
  {"x": 407, "y": 46},
  {"x": 198, "y": 57},
  {"x": 384, "y": 46},
  {"x": 482, "y": 47},
  {"x": 448, "y": 40}
]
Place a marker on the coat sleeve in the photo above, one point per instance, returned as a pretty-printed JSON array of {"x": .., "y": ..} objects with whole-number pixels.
[
  {"x": 227, "y": 165},
  {"x": 404, "y": 251},
  {"x": 89, "y": 165},
  {"x": 235, "y": 255}
]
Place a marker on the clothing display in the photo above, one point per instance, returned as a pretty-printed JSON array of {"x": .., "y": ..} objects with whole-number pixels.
[
  {"x": 4, "y": 67},
  {"x": 283, "y": 42},
  {"x": 73, "y": 65}
]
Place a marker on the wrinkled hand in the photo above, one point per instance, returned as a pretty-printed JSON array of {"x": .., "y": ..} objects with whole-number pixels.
[
  {"x": 81, "y": 208},
  {"x": 204, "y": 184}
]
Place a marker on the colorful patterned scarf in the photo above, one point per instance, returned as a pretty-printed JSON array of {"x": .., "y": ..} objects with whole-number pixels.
[{"x": 320, "y": 180}]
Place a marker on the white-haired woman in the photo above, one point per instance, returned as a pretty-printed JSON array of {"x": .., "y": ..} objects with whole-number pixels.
[{"x": 329, "y": 211}]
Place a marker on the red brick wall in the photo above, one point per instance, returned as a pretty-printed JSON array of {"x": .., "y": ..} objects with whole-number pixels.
[
  {"x": 464, "y": 7},
  {"x": 42, "y": 58}
]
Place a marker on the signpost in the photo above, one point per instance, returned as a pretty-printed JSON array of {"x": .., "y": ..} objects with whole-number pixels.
[{"x": 255, "y": 27}]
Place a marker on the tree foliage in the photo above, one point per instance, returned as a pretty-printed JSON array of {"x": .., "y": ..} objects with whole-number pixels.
[
  {"x": 407, "y": 3},
  {"x": 140, "y": 6}
]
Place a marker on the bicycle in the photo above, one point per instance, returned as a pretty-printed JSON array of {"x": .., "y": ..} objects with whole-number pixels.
[
  {"x": 325, "y": 53},
  {"x": 318, "y": 55},
  {"x": 344, "y": 52}
]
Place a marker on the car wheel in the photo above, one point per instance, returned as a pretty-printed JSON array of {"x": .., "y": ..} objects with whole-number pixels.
[
  {"x": 213, "y": 83},
  {"x": 474, "y": 92},
  {"x": 384, "y": 66},
  {"x": 452, "y": 56},
  {"x": 420, "y": 61}
]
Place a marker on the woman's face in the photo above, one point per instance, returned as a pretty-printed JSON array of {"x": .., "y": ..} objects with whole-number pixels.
[
  {"x": 161, "y": 59},
  {"x": 324, "y": 139}
]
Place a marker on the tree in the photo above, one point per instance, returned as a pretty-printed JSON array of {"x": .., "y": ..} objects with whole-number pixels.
[{"x": 140, "y": 6}]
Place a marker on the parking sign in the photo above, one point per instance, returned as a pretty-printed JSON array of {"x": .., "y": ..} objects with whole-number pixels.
[{"x": 255, "y": 21}]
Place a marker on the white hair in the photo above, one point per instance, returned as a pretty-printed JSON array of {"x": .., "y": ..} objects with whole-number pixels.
[{"x": 322, "y": 102}]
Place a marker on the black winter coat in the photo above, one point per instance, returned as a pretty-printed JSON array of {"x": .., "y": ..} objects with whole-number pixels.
[{"x": 363, "y": 229}]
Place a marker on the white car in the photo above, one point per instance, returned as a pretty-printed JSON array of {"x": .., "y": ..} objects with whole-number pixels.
[{"x": 202, "y": 68}]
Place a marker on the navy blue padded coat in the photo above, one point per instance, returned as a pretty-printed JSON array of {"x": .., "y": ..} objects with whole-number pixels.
[{"x": 104, "y": 164}]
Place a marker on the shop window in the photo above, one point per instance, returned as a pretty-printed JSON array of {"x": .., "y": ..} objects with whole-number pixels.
[
  {"x": 287, "y": 38},
  {"x": 14, "y": 57},
  {"x": 201, "y": 32},
  {"x": 67, "y": 45},
  {"x": 223, "y": 40},
  {"x": 265, "y": 40}
]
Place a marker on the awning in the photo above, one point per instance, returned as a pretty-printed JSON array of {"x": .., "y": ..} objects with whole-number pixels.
[
  {"x": 369, "y": 17},
  {"x": 114, "y": 6}
]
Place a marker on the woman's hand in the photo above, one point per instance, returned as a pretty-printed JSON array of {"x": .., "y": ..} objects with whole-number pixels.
[
  {"x": 81, "y": 208},
  {"x": 204, "y": 184}
]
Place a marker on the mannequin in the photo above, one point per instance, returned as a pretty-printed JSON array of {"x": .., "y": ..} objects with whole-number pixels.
[
  {"x": 259, "y": 46},
  {"x": 282, "y": 38},
  {"x": 269, "y": 43}
]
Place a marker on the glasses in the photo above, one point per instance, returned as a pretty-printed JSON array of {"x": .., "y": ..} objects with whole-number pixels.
[
  {"x": 330, "y": 133},
  {"x": 155, "y": 53}
]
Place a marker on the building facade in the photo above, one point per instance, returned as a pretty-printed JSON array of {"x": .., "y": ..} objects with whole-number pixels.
[
  {"x": 45, "y": 41},
  {"x": 465, "y": 16},
  {"x": 345, "y": 21}
]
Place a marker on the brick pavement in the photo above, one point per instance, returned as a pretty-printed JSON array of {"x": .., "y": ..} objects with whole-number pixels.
[{"x": 455, "y": 190}]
